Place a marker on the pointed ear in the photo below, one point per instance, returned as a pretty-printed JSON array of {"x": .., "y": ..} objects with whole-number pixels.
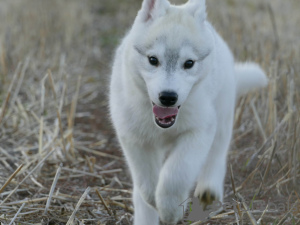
[
  {"x": 198, "y": 9},
  {"x": 152, "y": 9}
]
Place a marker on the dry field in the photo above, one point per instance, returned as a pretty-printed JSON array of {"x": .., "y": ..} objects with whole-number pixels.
[{"x": 59, "y": 159}]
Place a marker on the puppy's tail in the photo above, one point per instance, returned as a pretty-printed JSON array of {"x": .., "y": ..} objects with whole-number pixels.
[{"x": 249, "y": 76}]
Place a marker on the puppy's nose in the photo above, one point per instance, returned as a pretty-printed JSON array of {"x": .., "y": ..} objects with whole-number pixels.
[{"x": 168, "y": 98}]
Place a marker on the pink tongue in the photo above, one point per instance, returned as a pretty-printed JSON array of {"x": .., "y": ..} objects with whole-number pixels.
[{"x": 163, "y": 113}]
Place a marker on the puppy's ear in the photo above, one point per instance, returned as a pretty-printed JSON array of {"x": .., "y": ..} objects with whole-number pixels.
[
  {"x": 198, "y": 9},
  {"x": 153, "y": 9}
]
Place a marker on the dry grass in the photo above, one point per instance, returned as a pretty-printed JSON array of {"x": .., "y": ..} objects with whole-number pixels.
[{"x": 59, "y": 159}]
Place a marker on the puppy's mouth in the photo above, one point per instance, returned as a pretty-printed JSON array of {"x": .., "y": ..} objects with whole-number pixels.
[{"x": 165, "y": 117}]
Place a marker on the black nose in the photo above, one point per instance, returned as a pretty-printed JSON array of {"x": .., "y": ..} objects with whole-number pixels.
[{"x": 168, "y": 98}]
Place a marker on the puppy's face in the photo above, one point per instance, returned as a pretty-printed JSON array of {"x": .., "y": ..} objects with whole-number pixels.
[{"x": 171, "y": 55}]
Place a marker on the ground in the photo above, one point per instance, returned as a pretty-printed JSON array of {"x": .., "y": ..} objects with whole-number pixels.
[{"x": 58, "y": 153}]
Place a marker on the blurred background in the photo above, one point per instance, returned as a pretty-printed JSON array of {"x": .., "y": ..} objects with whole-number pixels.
[{"x": 55, "y": 59}]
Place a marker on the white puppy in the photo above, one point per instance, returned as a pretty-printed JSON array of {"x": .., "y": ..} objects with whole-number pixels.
[{"x": 172, "y": 95}]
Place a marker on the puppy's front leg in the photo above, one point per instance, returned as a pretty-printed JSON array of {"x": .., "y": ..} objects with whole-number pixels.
[
  {"x": 180, "y": 172},
  {"x": 144, "y": 163}
]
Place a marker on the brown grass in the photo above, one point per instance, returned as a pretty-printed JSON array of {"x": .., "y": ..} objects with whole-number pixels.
[{"x": 59, "y": 159}]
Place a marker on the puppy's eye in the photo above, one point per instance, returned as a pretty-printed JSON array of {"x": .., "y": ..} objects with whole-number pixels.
[
  {"x": 153, "y": 61},
  {"x": 188, "y": 64}
]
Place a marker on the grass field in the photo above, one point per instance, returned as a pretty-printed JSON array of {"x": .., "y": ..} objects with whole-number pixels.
[{"x": 60, "y": 162}]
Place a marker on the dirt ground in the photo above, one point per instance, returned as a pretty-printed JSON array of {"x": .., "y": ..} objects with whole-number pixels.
[{"x": 60, "y": 162}]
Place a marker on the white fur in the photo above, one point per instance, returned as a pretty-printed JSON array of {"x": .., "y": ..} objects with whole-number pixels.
[
  {"x": 166, "y": 164},
  {"x": 249, "y": 76}
]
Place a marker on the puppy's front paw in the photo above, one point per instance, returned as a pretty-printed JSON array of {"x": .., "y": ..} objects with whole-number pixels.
[
  {"x": 207, "y": 198},
  {"x": 210, "y": 202},
  {"x": 208, "y": 194},
  {"x": 169, "y": 209}
]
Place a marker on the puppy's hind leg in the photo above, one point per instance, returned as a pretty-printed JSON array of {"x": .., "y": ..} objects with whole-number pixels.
[{"x": 144, "y": 214}]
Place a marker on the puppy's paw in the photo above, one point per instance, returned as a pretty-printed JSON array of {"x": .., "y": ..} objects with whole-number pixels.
[
  {"x": 169, "y": 209},
  {"x": 207, "y": 198},
  {"x": 208, "y": 194},
  {"x": 170, "y": 215}
]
